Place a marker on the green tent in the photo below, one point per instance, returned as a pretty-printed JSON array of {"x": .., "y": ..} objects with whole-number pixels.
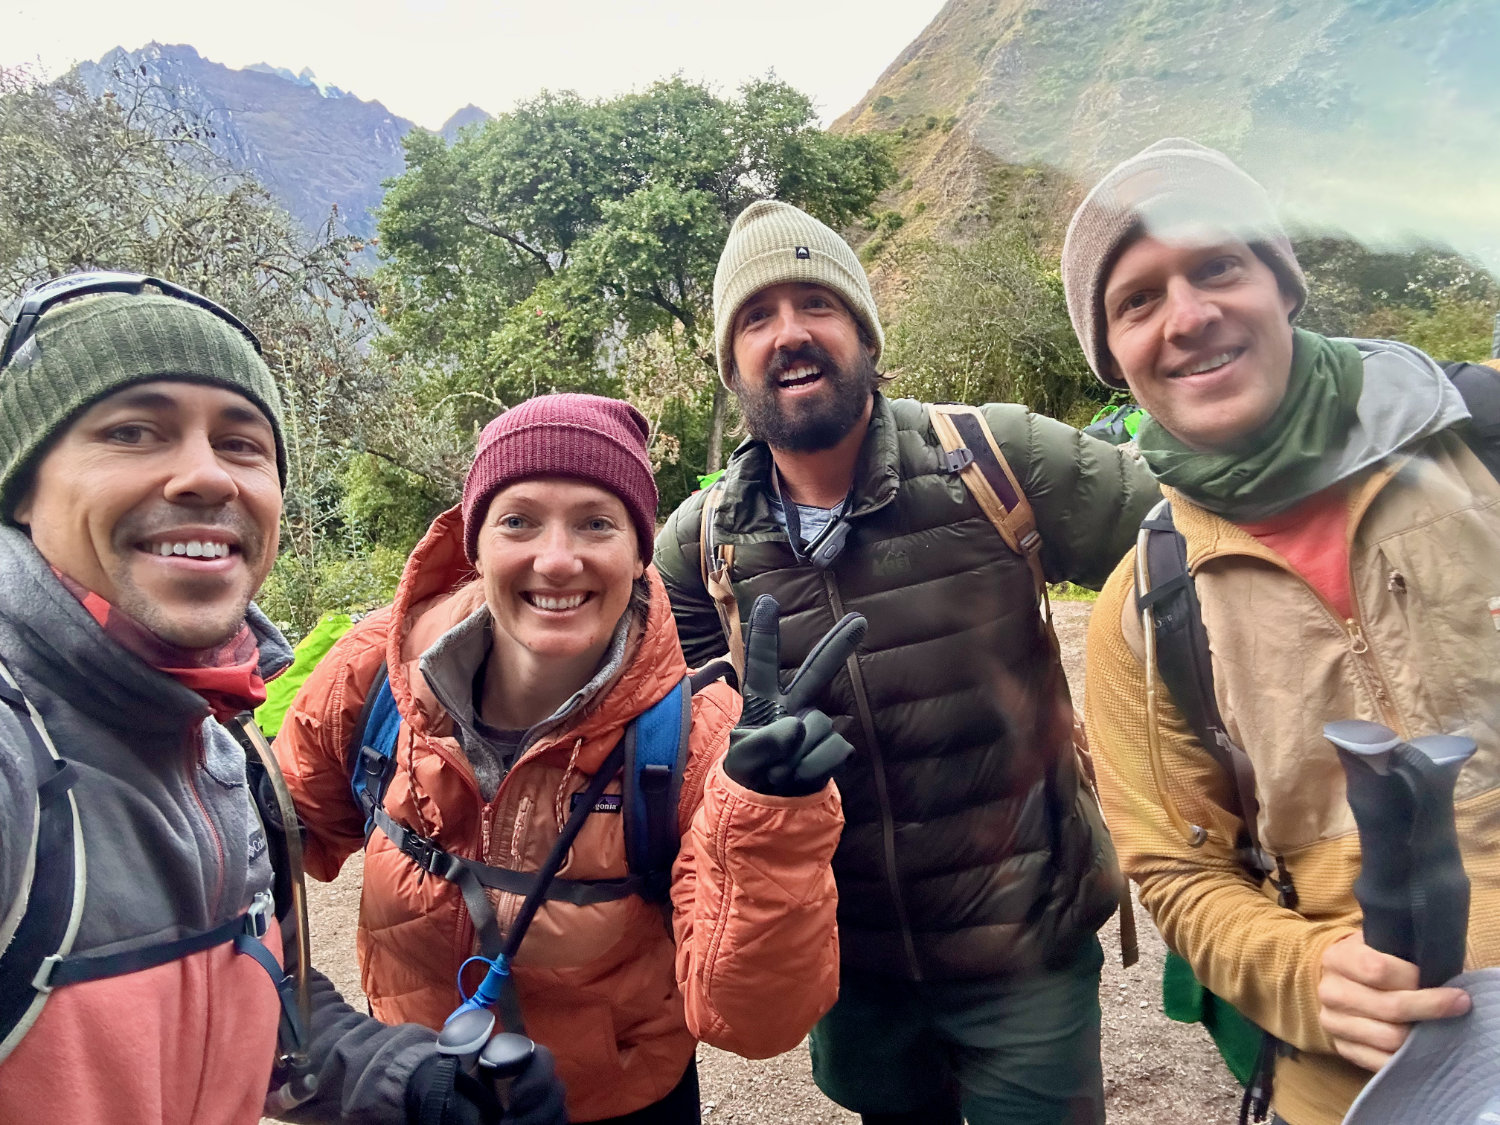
[{"x": 280, "y": 691}]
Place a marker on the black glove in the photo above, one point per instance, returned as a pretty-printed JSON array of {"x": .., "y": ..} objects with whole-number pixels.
[
  {"x": 783, "y": 745},
  {"x": 792, "y": 757},
  {"x": 438, "y": 1093},
  {"x": 536, "y": 1095}
]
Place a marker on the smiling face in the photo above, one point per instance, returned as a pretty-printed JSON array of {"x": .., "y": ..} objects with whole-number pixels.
[
  {"x": 558, "y": 558},
  {"x": 163, "y": 499},
  {"x": 1201, "y": 332},
  {"x": 802, "y": 374}
]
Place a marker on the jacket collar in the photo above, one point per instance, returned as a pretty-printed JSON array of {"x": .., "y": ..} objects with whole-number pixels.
[
  {"x": 745, "y": 514},
  {"x": 451, "y": 666},
  {"x": 47, "y": 635}
]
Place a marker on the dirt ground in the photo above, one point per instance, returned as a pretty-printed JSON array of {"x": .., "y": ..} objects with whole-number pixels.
[{"x": 1156, "y": 1072}]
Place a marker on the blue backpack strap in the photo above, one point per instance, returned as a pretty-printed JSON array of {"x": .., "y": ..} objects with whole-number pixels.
[
  {"x": 656, "y": 750},
  {"x": 372, "y": 756}
]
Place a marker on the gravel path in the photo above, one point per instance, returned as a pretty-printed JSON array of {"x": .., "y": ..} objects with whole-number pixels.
[{"x": 1156, "y": 1072}]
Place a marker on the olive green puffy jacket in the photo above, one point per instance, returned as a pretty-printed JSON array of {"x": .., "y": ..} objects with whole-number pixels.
[{"x": 965, "y": 852}]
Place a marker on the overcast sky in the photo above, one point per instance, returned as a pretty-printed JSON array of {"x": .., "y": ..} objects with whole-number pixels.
[{"x": 426, "y": 58}]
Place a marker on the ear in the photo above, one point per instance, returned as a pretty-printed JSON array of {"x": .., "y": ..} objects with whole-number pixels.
[
  {"x": 22, "y": 513},
  {"x": 1288, "y": 302},
  {"x": 640, "y": 565},
  {"x": 1112, "y": 369}
]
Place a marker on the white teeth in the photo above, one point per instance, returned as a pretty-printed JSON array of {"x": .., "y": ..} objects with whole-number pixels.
[
  {"x": 191, "y": 548},
  {"x": 1209, "y": 365},
  {"x": 799, "y": 373},
  {"x": 541, "y": 601}
]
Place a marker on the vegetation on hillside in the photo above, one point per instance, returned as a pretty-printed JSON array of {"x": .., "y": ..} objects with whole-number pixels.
[{"x": 571, "y": 245}]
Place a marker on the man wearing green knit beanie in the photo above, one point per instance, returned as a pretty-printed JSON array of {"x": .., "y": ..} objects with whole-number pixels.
[
  {"x": 141, "y": 469},
  {"x": 1332, "y": 514},
  {"x": 973, "y": 874}
]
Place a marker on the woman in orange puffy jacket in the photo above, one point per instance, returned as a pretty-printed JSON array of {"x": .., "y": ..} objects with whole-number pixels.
[{"x": 527, "y": 632}]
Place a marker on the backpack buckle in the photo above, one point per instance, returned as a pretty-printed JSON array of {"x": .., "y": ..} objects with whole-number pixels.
[
  {"x": 957, "y": 460},
  {"x": 655, "y": 777},
  {"x": 42, "y": 982},
  {"x": 258, "y": 917},
  {"x": 425, "y": 853}
]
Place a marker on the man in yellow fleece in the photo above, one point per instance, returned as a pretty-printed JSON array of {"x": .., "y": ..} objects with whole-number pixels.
[{"x": 1344, "y": 541}]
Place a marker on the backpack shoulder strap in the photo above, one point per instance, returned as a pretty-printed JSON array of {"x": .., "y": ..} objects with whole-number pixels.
[
  {"x": 40, "y": 926},
  {"x": 1165, "y": 589},
  {"x": 372, "y": 752},
  {"x": 972, "y": 452},
  {"x": 714, "y": 563},
  {"x": 656, "y": 753},
  {"x": 1480, "y": 387}
]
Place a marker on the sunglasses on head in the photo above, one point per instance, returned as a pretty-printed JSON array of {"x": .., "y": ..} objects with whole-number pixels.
[{"x": 71, "y": 286}]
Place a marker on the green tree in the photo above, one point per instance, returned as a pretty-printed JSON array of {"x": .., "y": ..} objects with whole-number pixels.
[
  {"x": 985, "y": 321},
  {"x": 533, "y": 254},
  {"x": 121, "y": 180},
  {"x": 1429, "y": 296}
]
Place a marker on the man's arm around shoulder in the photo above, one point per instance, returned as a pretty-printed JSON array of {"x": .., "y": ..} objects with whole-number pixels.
[{"x": 1089, "y": 497}]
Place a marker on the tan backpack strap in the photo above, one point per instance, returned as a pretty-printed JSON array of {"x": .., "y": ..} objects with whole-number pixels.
[
  {"x": 974, "y": 454},
  {"x": 714, "y": 562}
]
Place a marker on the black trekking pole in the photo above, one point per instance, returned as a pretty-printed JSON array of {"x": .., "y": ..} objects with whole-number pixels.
[
  {"x": 1383, "y": 809},
  {"x": 1411, "y": 887},
  {"x": 1440, "y": 887}
]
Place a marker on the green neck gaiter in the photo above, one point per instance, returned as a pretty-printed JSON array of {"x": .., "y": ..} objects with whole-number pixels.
[{"x": 1287, "y": 459}]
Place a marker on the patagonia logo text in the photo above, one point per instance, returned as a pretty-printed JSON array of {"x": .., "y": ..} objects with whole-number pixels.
[{"x": 608, "y": 802}]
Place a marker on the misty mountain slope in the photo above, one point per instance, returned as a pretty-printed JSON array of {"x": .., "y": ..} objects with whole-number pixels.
[{"x": 1378, "y": 116}]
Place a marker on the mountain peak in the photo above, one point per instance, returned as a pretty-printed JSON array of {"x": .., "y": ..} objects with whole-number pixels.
[{"x": 471, "y": 114}]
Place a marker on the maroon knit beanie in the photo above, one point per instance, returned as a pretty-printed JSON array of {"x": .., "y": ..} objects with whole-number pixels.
[{"x": 586, "y": 437}]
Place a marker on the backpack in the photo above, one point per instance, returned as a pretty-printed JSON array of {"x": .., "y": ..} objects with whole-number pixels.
[
  {"x": 653, "y": 756},
  {"x": 37, "y": 933},
  {"x": 971, "y": 452},
  {"x": 1116, "y": 424},
  {"x": 1166, "y": 591}
]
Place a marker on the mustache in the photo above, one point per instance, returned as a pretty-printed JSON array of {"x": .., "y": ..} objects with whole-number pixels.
[
  {"x": 163, "y": 519},
  {"x": 810, "y": 353}
]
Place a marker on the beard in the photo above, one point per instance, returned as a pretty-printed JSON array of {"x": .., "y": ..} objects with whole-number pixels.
[{"x": 811, "y": 427}]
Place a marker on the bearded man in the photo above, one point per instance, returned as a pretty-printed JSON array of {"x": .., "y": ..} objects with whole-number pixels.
[{"x": 971, "y": 886}]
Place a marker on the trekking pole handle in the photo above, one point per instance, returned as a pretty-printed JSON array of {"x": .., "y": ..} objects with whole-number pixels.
[
  {"x": 503, "y": 1058},
  {"x": 1383, "y": 806},
  {"x": 1440, "y": 886},
  {"x": 465, "y": 1035}
]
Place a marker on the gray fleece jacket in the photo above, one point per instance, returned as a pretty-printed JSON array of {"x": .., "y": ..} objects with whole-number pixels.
[{"x": 173, "y": 846}]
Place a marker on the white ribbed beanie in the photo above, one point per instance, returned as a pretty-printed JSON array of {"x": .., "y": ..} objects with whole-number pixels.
[{"x": 773, "y": 242}]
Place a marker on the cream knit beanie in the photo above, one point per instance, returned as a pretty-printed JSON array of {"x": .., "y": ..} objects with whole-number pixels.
[
  {"x": 1172, "y": 184},
  {"x": 772, "y": 242}
]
